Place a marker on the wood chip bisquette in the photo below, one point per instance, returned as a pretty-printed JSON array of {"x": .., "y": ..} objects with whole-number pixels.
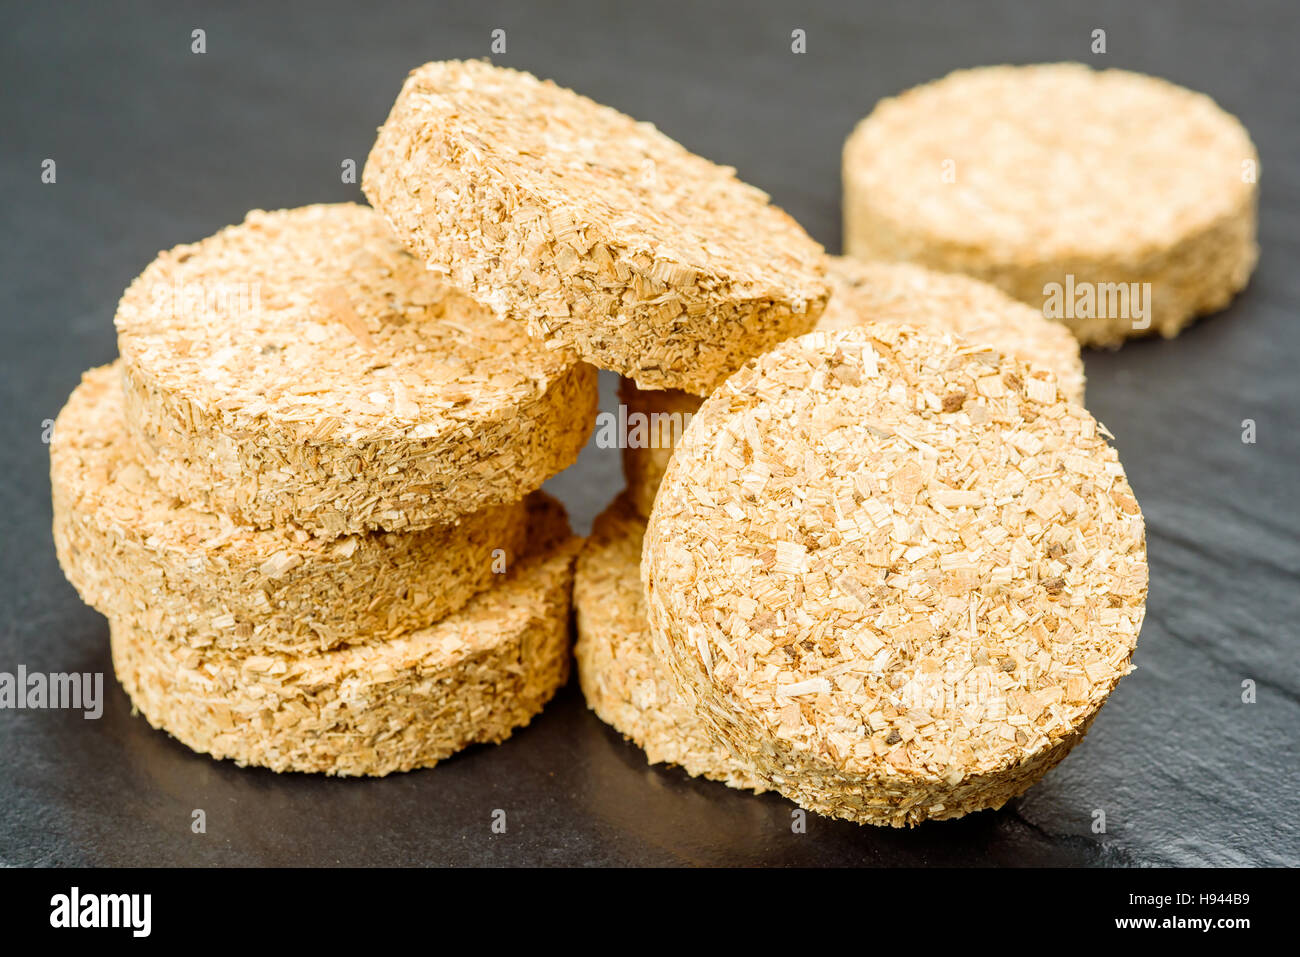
[
  {"x": 154, "y": 563},
  {"x": 897, "y": 293},
  {"x": 1056, "y": 178},
  {"x": 303, "y": 368},
  {"x": 373, "y": 709},
  {"x": 606, "y": 237},
  {"x": 622, "y": 678},
  {"x": 916, "y": 613}
]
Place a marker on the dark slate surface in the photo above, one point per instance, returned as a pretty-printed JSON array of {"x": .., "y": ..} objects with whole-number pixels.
[{"x": 155, "y": 145}]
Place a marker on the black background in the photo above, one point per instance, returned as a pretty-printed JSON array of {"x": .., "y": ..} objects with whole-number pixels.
[{"x": 156, "y": 145}]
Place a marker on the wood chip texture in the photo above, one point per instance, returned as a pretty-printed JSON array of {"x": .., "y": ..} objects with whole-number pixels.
[
  {"x": 303, "y": 368},
  {"x": 622, "y": 678},
  {"x": 898, "y": 579},
  {"x": 405, "y": 703},
  {"x": 1023, "y": 175},
  {"x": 606, "y": 237},
  {"x": 900, "y": 293},
  {"x": 154, "y": 563}
]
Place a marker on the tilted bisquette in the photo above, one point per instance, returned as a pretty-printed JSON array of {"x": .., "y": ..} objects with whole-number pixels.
[
  {"x": 895, "y": 572},
  {"x": 373, "y": 709},
  {"x": 1119, "y": 203},
  {"x": 622, "y": 678},
  {"x": 158, "y": 565},
  {"x": 608, "y": 238},
  {"x": 864, "y": 292},
  {"x": 303, "y": 368}
]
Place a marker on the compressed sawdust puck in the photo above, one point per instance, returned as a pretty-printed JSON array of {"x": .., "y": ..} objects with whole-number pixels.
[
  {"x": 303, "y": 368},
  {"x": 606, "y": 237},
  {"x": 896, "y": 573},
  {"x": 372, "y": 709},
  {"x": 155, "y": 564},
  {"x": 622, "y": 678},
  {"x": 1063, "y": 186},
  {"x": 863, "y": 292}
]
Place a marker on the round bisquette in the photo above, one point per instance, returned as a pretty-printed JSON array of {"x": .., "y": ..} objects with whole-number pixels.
[
  {"x": 602, "y": 234},
  {"x": 1024, "y": 176},
  {"x": 303, "y": 368},
  {"x": 151, "y": 562},
  {"x": 372, "y": 709},
  {"x": 897, "y": 573},
  {"x": 622, "y": 679},
  {"x": 864, "y": 292}
]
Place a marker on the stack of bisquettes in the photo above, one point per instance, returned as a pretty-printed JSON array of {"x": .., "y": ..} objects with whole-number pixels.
[{"x": 873, "y": 553}]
